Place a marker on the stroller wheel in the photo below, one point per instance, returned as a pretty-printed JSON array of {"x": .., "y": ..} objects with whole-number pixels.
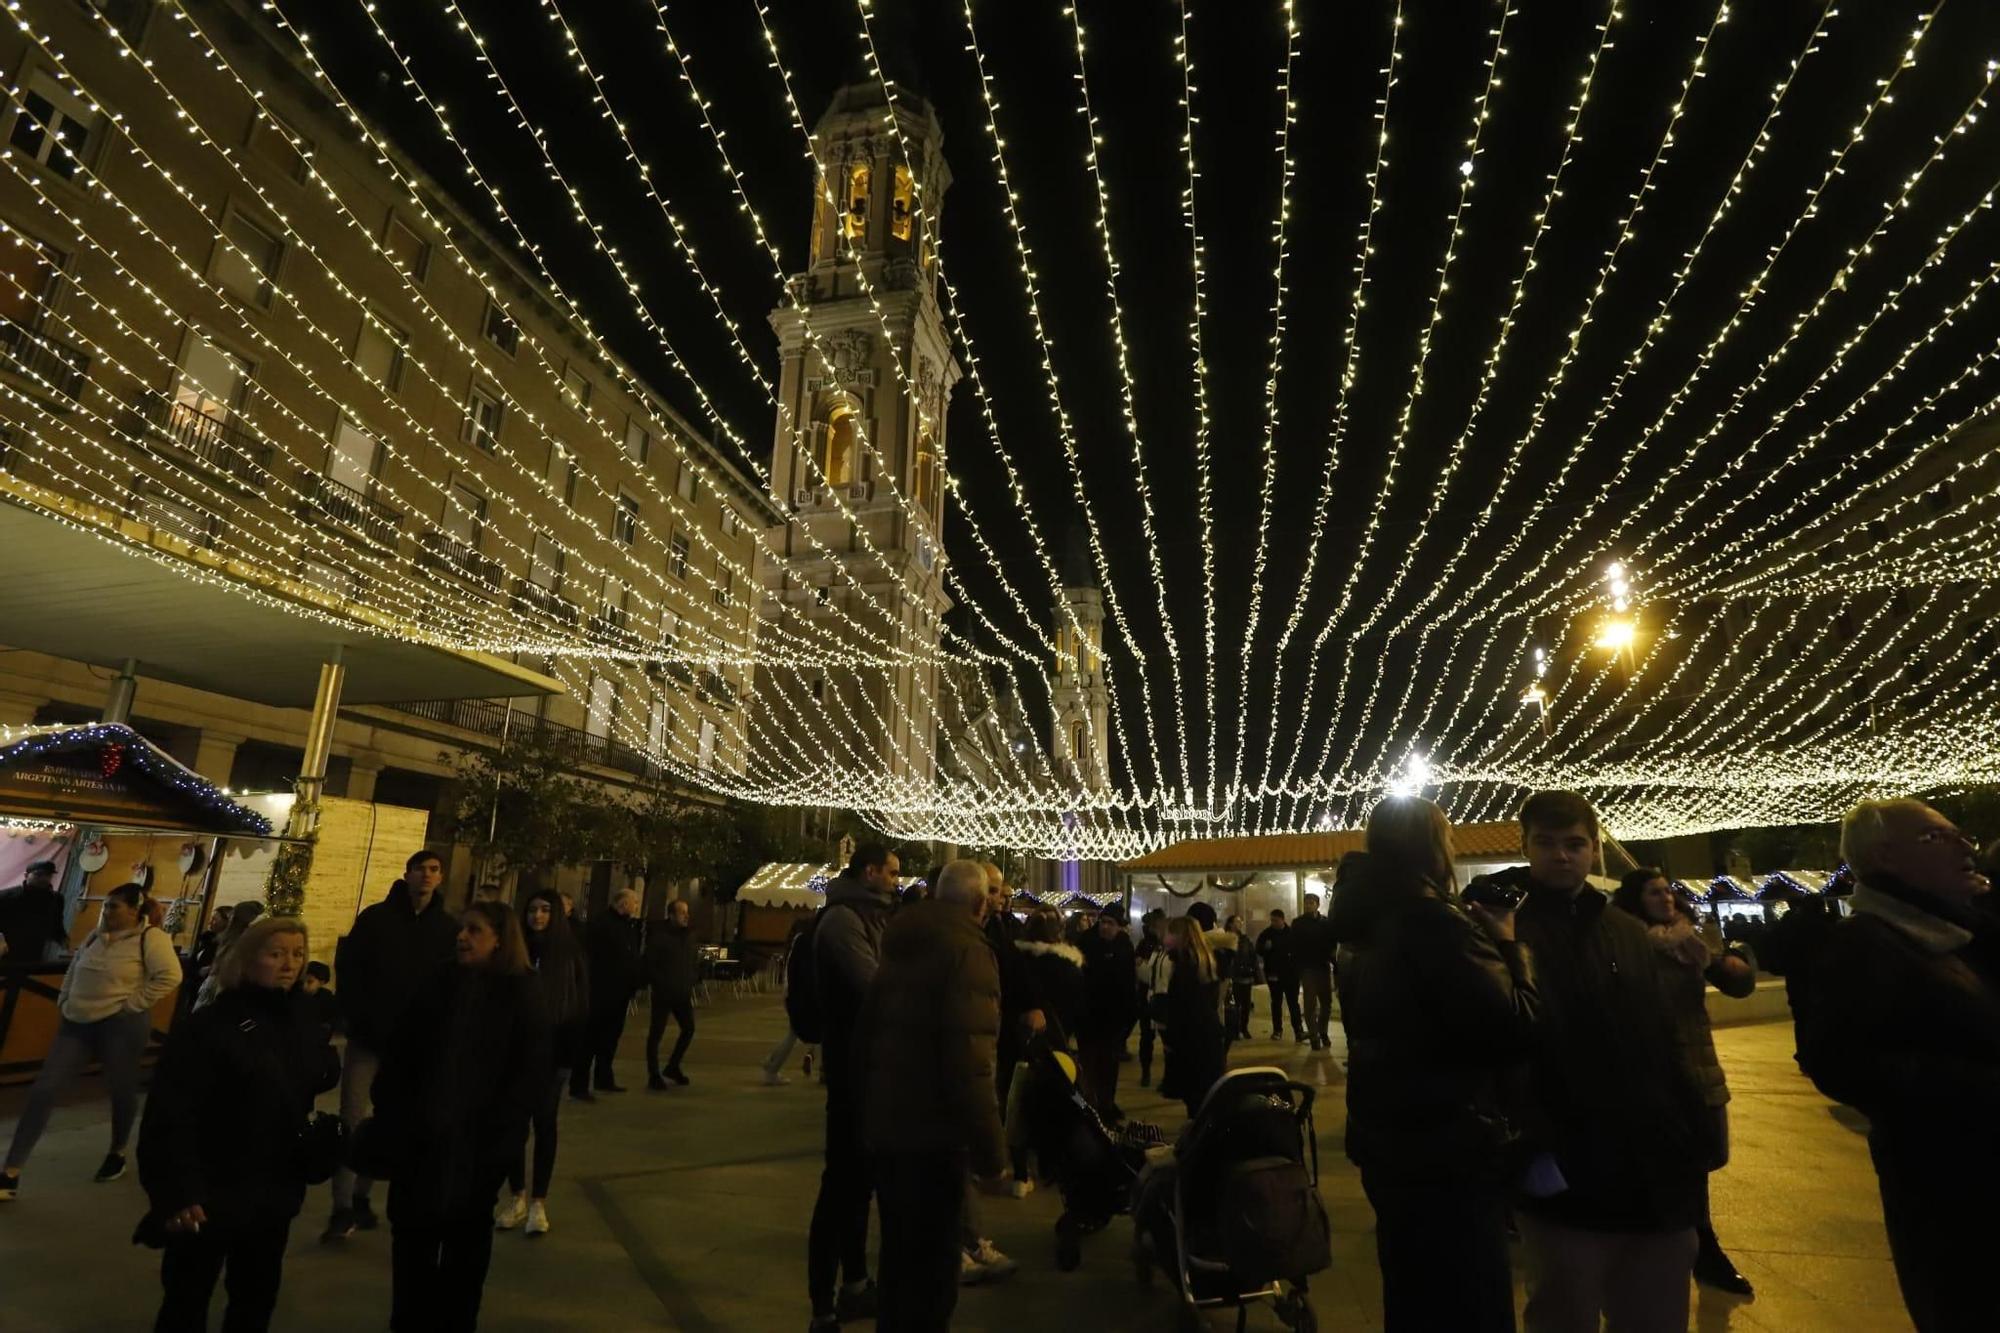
[
  {"x": 1295, "y": 1312},
  {"x": 1069, "y": 1244},
  {"x": 1190, "y": 1320}
]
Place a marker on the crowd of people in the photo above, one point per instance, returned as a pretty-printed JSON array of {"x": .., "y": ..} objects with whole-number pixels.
[{"x": 1528, "y": 1059}]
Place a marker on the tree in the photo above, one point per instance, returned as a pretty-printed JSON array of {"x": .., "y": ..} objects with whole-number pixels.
[
  {"x": 520, "y": 809},
  {"x": 1789, "y": 847}
]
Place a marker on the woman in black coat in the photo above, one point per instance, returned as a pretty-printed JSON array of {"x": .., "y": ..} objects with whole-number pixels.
[
  {"x": 1190, "y": 1012},
  {"x": 1437, "y": 1001},
  {"x": 459, "y": 1083},
  {"x": 564, "y": 981},
  {"x": 219, "y": 1145}
]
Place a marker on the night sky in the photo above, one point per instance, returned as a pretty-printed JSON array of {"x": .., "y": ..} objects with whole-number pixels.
[{"x": 1238, "y": 50}]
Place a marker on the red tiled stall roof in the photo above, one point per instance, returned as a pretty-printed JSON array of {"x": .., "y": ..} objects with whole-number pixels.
[{"x": 1308, "y": 851}]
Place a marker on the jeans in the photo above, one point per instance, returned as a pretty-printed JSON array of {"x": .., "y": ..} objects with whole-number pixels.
[
  {"x": 1243, "y": 993},
  {"x": 357, "y": 1079},
  {"x": 544, "y": 1126},
  {"x": 837, "y": 1244},
  {"x": 1443, "y": 1251},
  {"x": 116, "y": 1043},
  {"x": 774, "y": 1063},
  {"x": 681, "y": 1009},
  {"x": 919, "y": 1195},
  {"x": 1097, "y": 1069},
  {"x": 1316, "y": 984},
  {"x": 438, "y": 1268},
  {"x": 1147, "y": 1036},
  {"x": 1286, "y": 990},
  {"x": 607, "y": 1025},
  {"x": 250, "y": 1260},
  {"x": 1635, "y": 1282}
]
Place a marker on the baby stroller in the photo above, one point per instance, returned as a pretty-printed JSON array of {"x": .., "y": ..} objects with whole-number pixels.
[
  {"x": 1093, "y": 1165},
  {"x": 1235, "y": 1217}
]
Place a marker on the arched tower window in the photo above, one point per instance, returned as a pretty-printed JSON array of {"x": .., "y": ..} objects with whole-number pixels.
[
  {"x": 838, "y": 446},
  {"x": 860, "y": 182},
  {"x": 925, "y": 486},
  {"x": 903, "y": 205},
  {"x": 823, "y": 215},
  {"x": 1076, "y": 746}
]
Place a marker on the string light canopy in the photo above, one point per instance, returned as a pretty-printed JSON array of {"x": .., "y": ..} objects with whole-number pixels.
[{"x": 1595, "y": 398}]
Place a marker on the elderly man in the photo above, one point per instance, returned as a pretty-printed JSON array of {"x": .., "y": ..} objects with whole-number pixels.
[
  {"x": 924, "y": 1049},
  {"x": 1902, "y": 1021},
  {"x": 617, "y": 970}
]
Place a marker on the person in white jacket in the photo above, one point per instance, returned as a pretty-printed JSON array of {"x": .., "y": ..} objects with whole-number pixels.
[{"x": 121, "y": 971}]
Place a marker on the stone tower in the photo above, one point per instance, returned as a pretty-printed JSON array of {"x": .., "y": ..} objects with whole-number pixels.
[
  {"x": 1080, "y": 745},
  {"x": 858, "y": 453}
]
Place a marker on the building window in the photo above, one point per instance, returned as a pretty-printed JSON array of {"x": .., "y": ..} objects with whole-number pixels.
[
  {"x": 410, "y": 251},
  {"x": 688, "y": 487},
  {"x": 499, "y": 330},
  {"x": 625, "y": 520},
  {"x": 482, "y": 419},
  {"x": 854, "y": 206},
  {"x": 576, "y": 388},
  {"x": 837, "y": 447},
  {"x": 464, "y": 513},
  {"x": 706, "y": 753},
  {"x": 562, "y": 473},
  {"x": 30, "y": 273},
  {"x": 925, "y": 491},
  {"x": 903, "y": 205},
  {"x": 356, "y": 455},
  {"x": 378, "y": 353},
  {"x": 246, "y": 260},
  {"x": 732, "y": 522},
  {"x": 670, "y": 629},
  {"x": 602, "y": 705},
  {"x": 677, "y": 556},
  {"x": 637, "y": 442},
  {"x": 545, "y": 563},
  {"x": 725, "y": 587},
  {"x": 52, "y": 125},
  {"x": 272, "y": 140},
  {"x": 211, "y": 386}
]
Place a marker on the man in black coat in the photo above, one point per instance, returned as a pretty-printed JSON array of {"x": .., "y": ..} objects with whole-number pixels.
[
  {"x": 31, "y": 916},
  {"x": 1281, "y": 976},
  {"x": 1312, "y": 942},
  {"x": 673, "y": 967},
  {"x": 398, "y": 948},
  {"x": 1110, "y": 1008},
  {"x": 1900, "y": 1018},
  {"x": 617, "y": 970}
]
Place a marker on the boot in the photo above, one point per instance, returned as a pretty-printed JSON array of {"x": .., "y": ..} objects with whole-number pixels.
[{"x": 1713, "y": 1267}]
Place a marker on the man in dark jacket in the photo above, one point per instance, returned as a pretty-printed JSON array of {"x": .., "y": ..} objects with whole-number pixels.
[
  {"x": 31, "y": 916},
  {"x": 847, "y": 949},
  {"x": 1903, "y": 1023},
  {"x": 613, "y": 942},
  {"x": 924, "y": 1053},
  {"x": 398, "y": 948},
  {"x": 1281, "y": 976},
  {"x": 1110, "y": 1008},
  {"x": 673, "y": 966},
  {"x": 1608, "y": 1207},
  {"x": 1020, "y": 1013},
  {"x": 1312, "y": 955}
]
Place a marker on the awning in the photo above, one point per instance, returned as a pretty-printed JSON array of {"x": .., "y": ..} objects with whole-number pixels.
[
  {"x": 787, "y": 884},
  {"x": 1310, "y": 851},
  {"x": 106, "y": 773},
  {"x": 86, "y": 584}
]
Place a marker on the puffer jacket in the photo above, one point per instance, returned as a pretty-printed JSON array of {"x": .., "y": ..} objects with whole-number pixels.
[
  {"x": 389, "y": 957},
  {"x": 1435, "y": 1011},
  {"x": 847, "y": 949},
  {"x": 924, "y": 1046},
  {"x": 230, "y": 1095},
  {"x": 1687, "y": 966},
  {"x": 564, "y": 980},
  {"x": 1111, "y": 985},
  {"x": 1055, "y": 972}
]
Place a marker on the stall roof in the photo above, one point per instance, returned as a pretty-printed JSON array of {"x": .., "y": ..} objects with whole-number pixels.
[
  {"x": 89, "y": 585},
  {"x": 121, "y": 776},
  {"x": 787, "y": 884},
  {"x": 1289, "y": 851}
]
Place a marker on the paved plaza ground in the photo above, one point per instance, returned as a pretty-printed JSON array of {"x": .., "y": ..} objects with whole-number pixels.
[{"x": 687, "y": 1210}]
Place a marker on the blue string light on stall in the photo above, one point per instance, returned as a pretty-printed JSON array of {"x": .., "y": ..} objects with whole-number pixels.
[{"x": 118, "y": 745}]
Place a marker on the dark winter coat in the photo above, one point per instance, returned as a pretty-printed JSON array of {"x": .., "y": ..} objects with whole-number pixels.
[
  {"x": 1435, "y": 1010},
  {"x": 924, "y": 1044},
  {"x": 459, "y": 1081},
  {"x": 564, "y": 980},
  {"x": 231, "y": 1093},
  {"x": 847, "y": 948},
  {"x": 1197, "y": 1047},
  {"x": 1312, "y": 943},
  {"x": 1111, "y": 986},
  {"x": 1274, "y": 950},
  {"x": 31, "y": 920},
  {"x": 1609, "y": 1090},
  {"x": 1055, "y": 971},
  {"x": 673, "y": 959},
  {"x": 1687, "y": 967},
  {"x": 617, "y": 958},
  {"x": 390, "y": 956}
]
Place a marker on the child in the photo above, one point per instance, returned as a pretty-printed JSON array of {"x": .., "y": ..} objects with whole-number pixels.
[{"x": 321, "y": 1006}]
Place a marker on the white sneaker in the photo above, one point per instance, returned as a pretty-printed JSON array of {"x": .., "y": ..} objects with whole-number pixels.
[
  {"x": 538, "y": 1219},
  {"x": 508, "y": 1213},
  {"x": 993, "y": 1264},
  {"x": 773, "y": 1079},
  {"x": 1023, "y": 1187},
  {"x": 970, "y": 1271}
]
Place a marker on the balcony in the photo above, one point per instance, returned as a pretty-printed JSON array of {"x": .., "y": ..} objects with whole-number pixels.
[
  {"x": 178, "y": 433},
  {"x": 361, "y": 514},
  {"x": 529, "y": 598},
  {"x": 493, "y": 720},
  {"x": 52, "y": 367},
  {"x": 441, "y": 550},
  {"x": 609, "y": 622}
]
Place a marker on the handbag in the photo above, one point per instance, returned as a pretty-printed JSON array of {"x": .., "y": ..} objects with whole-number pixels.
[
  {"x": 322, "y": 1146},
  {"x": 369, "y": 1151}
]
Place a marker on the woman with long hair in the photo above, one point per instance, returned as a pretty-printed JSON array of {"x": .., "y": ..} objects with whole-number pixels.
[
  {"x": 557, "y": 961},
  {"x": 1687, "y": 965},
  {"x": 241, "y": 918},
  {"x": 1191, "y": 1012},
  {"x": 460, "y": 1082},
  {"x": 1437, "y": 1001},
  {"x": 219, "y": 1145}
]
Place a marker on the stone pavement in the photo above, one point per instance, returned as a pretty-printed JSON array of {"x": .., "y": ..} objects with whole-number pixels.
[{"x": 687, "y": 1210}]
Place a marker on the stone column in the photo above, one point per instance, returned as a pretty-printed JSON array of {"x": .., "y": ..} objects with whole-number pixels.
[{"x": 215, "y": 755}]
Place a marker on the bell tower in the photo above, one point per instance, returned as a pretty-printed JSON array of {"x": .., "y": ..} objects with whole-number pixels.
[
  {"x": 858, "y": 450},
  {"x": 1079, "y": 691}
]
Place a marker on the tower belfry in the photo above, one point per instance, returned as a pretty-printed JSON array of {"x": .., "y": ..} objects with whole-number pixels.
[
  {"x": 858, "y": 451},
  {"x": 1081, "y": 695}
]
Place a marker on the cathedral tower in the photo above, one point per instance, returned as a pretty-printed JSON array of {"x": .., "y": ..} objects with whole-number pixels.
[{"x": 1080, "y": 745}]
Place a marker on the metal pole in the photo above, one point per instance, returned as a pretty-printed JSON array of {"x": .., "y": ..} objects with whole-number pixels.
[
  {"x": 118, "y": 704},
  {"x": 319, "y": 744}
]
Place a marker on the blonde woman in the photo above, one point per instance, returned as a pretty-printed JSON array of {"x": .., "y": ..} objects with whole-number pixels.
[{"x": 1191, "y": 1008}]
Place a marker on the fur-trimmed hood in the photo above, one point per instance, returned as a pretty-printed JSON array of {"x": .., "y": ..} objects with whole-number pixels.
[{"x": 1036, "y": 949}]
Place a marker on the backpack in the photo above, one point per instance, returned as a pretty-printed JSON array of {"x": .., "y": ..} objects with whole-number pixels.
[
  {"x": 803, "y": 1007},
  {"x": 1273, "y": 1224}
]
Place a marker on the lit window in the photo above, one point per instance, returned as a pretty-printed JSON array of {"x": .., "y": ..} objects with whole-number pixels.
[
  {"x": 576, "y": 388},
  {"x": 603, "y": 702},
  {"x": 246, "y": 260},
  {"x": 925, "y": 489},
  {"x": 499, "y": 330},
  {"x": 378, "y": 354},
  {"x": 464, "y": 513},
  {"x": 52, "y": 125},
  {"x": 482, "y": 419},
  {"x": 411, "y": 252},
  {"x": 836, "y": 459},
  {"x": 860, "y": 180},
  {"x": 625, "y": 520},
  {"x": 677, "y": 557},
  {"x": 274, "y": 141},
  {"x": 688, "y": 486},
  {"x": 211, "y": 382},
  {"x": 637, "y": 442},
  {"x": 902, "y": 205},
  {"x": 355, "y": 455}
]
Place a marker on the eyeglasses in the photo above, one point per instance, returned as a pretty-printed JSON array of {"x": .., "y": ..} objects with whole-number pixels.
[{"x": 1933, "y": 835}]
